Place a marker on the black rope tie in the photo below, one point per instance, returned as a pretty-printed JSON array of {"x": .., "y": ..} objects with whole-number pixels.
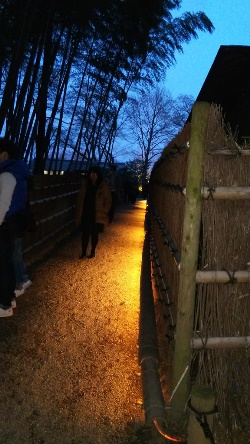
[
  {"x": 211, "y": 189},
  {"x": 232, "y": 278},
  {"x": 201, "y": 417},
  {"x": 175, "y": 188}
]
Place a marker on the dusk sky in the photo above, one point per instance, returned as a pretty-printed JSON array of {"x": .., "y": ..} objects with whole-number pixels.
[{"x": 231, "y": 19}]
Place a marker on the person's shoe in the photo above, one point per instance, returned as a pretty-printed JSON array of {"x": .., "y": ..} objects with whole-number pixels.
[
  {"x": 5, "y": 312},
  {"x": 82, "y": 256},
  {"x": 19, "y": 291},
  {"x": 13, "y": 303},
  {"x": 91, "y": 255},
  {"x": 26, "y": 284}
]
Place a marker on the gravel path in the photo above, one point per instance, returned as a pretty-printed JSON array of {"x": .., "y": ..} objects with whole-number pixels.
[{"x": 68, "y": 356}]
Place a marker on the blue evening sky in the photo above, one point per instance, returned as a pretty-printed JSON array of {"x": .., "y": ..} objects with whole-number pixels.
[{"x": 231, "y": 19}]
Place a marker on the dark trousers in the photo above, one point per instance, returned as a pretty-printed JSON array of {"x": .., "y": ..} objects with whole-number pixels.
[
  {"x": 90, "y": 231},
  {"x": 7, "y": 271},
  {"x": 19, "y": 265}
]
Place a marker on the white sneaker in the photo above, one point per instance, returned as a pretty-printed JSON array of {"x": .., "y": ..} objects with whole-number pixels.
[
  {"x": 5, "y": 312},
  {"x": 26, "y": 284},
  {"x": 13, "y": 303},
  {"x": 19, "y": 291}
]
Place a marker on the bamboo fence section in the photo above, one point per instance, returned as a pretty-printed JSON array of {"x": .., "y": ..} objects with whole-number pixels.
[{"x": 216, "y": 344}]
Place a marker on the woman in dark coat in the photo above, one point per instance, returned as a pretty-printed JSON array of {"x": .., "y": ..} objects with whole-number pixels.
[{"x": 93, "y": 205}]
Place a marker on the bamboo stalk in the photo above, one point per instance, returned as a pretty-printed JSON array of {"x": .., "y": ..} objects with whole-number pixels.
[
  {"x": 220, "y": 343},
  {"x": 189, "y": 255},
  {"x": 235, "y": 193},
  {"x": 202, "y": 402},
  {"x": 222, "y": 277},
  {"x": 231, "y": 152},
  {"x": 226, "y": 193}
]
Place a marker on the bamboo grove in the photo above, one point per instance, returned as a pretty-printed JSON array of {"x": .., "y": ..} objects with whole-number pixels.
[{"x": 67, "y": 66}]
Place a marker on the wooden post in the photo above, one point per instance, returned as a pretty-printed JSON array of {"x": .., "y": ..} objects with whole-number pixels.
[
  {"x": 202, "y": 401},
  {"x": 189, "y": 258}
]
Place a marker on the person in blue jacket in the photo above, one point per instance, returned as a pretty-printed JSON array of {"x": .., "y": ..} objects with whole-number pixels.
[{"x": 14, "y": 175}]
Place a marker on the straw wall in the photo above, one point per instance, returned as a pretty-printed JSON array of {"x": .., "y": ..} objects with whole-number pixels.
[{"x": 222, "y": 310}]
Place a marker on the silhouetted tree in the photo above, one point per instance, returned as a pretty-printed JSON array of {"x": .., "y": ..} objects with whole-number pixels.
[
  {"x": 67, "y": 66},
  {"x": 153, "y": 119}
]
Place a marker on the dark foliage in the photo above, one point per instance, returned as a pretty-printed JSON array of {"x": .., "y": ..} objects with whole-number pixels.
[{"x": 67, "y": 66}]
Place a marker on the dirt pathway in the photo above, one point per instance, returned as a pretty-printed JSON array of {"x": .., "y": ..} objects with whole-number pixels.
[{"x": 68, "y": 356}]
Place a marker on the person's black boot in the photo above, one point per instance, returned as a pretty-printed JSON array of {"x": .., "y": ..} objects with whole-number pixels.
[{"x": 92, "y": 254}]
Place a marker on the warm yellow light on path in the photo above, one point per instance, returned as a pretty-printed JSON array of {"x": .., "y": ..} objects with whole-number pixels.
[{"x": 72, "y": 371}]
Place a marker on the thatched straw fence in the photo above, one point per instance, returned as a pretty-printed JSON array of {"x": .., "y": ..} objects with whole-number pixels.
[{"x": 219, "y": 350}]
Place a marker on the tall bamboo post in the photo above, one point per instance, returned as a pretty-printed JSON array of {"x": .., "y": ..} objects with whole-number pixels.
[
  {"x": 202, "y": 407},
  {"x": 189, "y": 257}
]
